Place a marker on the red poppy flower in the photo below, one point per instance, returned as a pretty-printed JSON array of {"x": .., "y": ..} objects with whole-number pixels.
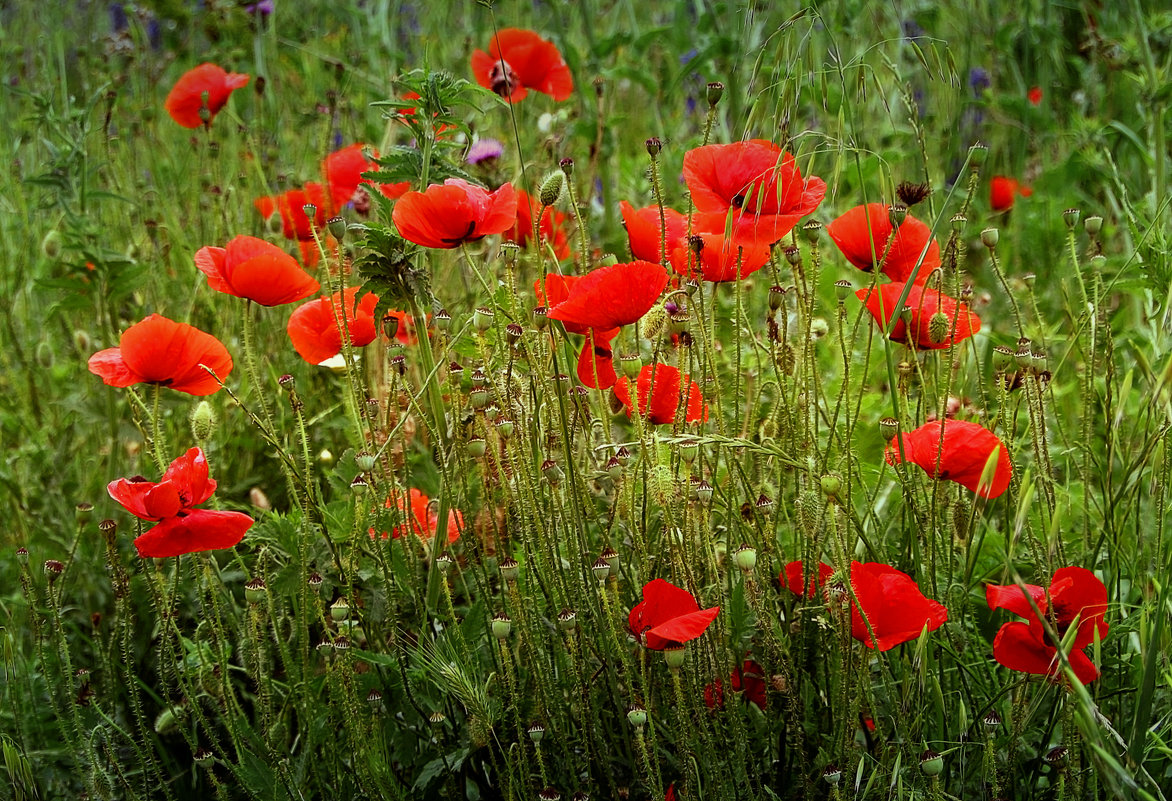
[
  {"x": 1003, "y": 191},
  {"x": 668, "y": 616},
  {"x": 182, "y": 528},
  {"x": 719, "y": 259},
  {"x": 748, "y": 677},
  {"x": 343, "y": 173},
  {"x": 313, "y": 326},
  {"x": 814, "y": 584},
  {"x": 670, "y": 795},
  {"x": 447, "y": 215},
  {"x": 665, "y": 397},
  {"x": 1078, "y": 599},
  {"x": 254, "y": 269},
  {"x": 893, "y": 605},
  {"x": 424, "y": 518},
  {"x": 552, "y": 227},
  {"x": 957, "y": 322},
  {"x": 164, "y": 352},
  {"x": 596, "y": 360},
  {"x": 554, "y": 289},
  {"x": 756, "y": 182},
  {"x": 1034, "y": 95},
  {"x": 864, "y": 235},
  {"x": 187, "y": 96},
  {"x": 519, "y": 60},
  {"x": 611, "y": 296},
  {"x": 645, "y": 232},
  {"x": 969, "y": 451}
]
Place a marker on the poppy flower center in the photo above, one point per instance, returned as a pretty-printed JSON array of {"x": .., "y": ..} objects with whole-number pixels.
[
  {"x": 503, "y": 78},
  {"x": 738, "y": 200},
  {"x": 467, "y": 237}
]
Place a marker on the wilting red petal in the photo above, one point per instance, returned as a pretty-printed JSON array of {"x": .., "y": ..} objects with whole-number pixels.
[
  {"x": 893, "y": 605},
  {"x": 200, "y": 530},
  {"x": 719, "y": 259},
  {"x": 611, "y": 296},
  {"x": 882, "y": 301},
  {"x": 313, "y": 326},
  {"x": 862, "y": 234},
  {"x": 187, "y": 96},
  {"x": 161, "y": 351},
  {"x": 968, "y": 448},
  {"x": 257, "y": 270},
  {"x": 668, "y": 614},
  {"x": 447, "y": 215},
  {"x": 645, "y": 232},
  {"x": 596, "y": 360},
  {"x": 813, "y": 584},
  {"x": 552, "y": 227},
  {"x": 665, "y": 399},
  {"x": 530, "y": 62}
]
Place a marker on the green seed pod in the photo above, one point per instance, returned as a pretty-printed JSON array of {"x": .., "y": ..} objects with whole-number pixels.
[
  {"x": 631, "y": 365},
  {"x": 689, "y": 451},
  {"x": 600, "y": 569},
  {"x": 365, "y": 461},
  {"x": 831, "y": 775},
  {"x": 745, "y": 558},
  {"x": 842, "y": 290},
  {"x": 637, "y": 716},
  {"x": 674, "y": 657},
  {"x": 477, "y": 447},
  {"x": 958, "y": 221},
  {"x": 714, "y": 91},
  {"x": 501, "y": 625},
  {"x": 567, "y": 620},
  {"x": 896, "y": 214},
  {"x": 704, "y": 492},
  {"x": 482, "y": 318},
  {"x": 337, "y": 228},
  {"x": 831, "y": 485},
  {"x": 359, "y": 485},
  {"x": 340, "y": 610},
  {"x": 254, "y": 590},
  {"x": 989, "y": 238},
  {"x": 1093, "y": 224},
  {"x": 931, "y": 763},
  {"x": 540, "y": 317},
  {"x": 977, "y": 154},
  {"x": 776, "y": 297},
  {"x": 813, "y": 230},
  {"x": 505, "y": 427},
  {"x": 509, "y": 568},
  {"x": 610, "y": 556},
  {"x": 536, "y": 732},
  {"x": 1070, "y": 217},
  {"x": 442, "y": 320}
]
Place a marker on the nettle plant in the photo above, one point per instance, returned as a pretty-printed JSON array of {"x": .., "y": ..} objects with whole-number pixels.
[{"x": 733, "y": 513}]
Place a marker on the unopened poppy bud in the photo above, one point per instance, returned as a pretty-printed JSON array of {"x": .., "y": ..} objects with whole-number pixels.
[
  {"x": 1070, "y": 217},
  {"x": 567, "y": 165},
  {"x": 51, "y": 244},
  {"x": 600, "y": 569},
  {"x": 704, "y": 492},
  {"x": 340, "y": 610},
  {"x": 540, "y": 317},
  {"x": 831, "y": 775},
  {"x": 654, "y": 145},
  {"x": 204, "y": 758},
  {"x": 977, "y": 154},
  {"x": 445, "y": 562},
  {"x": 637, "y": 716},
  {"x": 552, "y": 472},
  {"x": 813, "y": 230},
  {"x": 254, "y": 590},
  {"x": 567, "y": 619},
  {"x": 675, "y": 656},
  {"x": 365, "y": 461},
  {"x": 536, "y": 732},
  {"x": 831, "y": 485},
  {"x": 714, "y": 91},
  {"x": 745, "y": 558},
  {"x": 477, "y": 447},
  {"x": 82, "y": 341},
  {"x": 896, "y": 215},
  {"x": 931, "y": 763},
  {"x": 513, "y": 333},
  {"x": 989, "y": 238},
  {"x": 257, "y": 498},
  {"x": 958, "y": 221},
  {"x": 501, "y": 625},
  {"x": 203, "y": 421},
  {"x": 359, "y": 485},
  {"x": 337, "y": 228},
  {"x": 482, "y": 318},
  {"x": 776, "y": 297},
  {"x": 551, "y": 189},
  {"x": 1093, "y": 224},
  {"x": 938, "y": 327},
  {"x": 310, "y": 212},
  {"x": 888, "y": 428},
  {"x": 509, "y": 568},
  {"x": 842, "y": 290}
]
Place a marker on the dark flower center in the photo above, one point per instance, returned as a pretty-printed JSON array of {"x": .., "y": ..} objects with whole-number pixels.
[{"x": 502, "y": 78}]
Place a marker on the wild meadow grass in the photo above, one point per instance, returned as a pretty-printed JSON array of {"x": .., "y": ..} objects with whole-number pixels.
[{"x": 536, "y": 619}]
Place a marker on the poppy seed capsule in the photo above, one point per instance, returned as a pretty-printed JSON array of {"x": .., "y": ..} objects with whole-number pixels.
[
  {"x": 552, "y": 472},
  {"x": 398, "y": 363},
  {"x": 340, "y": 610},
  {"x": 831, "y": 485},
  {"x": 793, "y": 256},
  {"x": 689, "y": 451},
  {"x": 501, "y": 625},
  {"x": 310, "y": 211},
  {"x": 1093, "y": 224},
  {"x": 831, "y": 775},
  {"x": 958, "y": 221},
  {"x": 714, "y": 91},
  {"x": 812, "y": 229},
  {"x": 549, "y": 794},
  {"x": 374, "y": 697},
  {"x": 776, "y": 297},
  {"x": 54, "y": 568},
  {"x": 337, "y": 228},
  {"x": 445, "y": 562},
  {"x": 896, "y": 214},
  {"x": 551, "y": 189},
  {"x": 513, "y": 333},
  {"x": 477, "y": 447},
  {"x": 254, "y": 590},
  {"x": 479, "y": 398},
  {"x": 614, "y": 469},
  {"x": 637, "y": 716},
  {"x": 745, "y": 558},
  {"x": 22, "y": 555},
  {"x": 704, "y": 492},
  {"x": 600, "y": 569},
  {"x": 365, "y": 462},
  {"x": 505, "y": 427},
  {"x": 204, "y": 758},
  {"x": 442, "y": 320},
  {"x": 654, "y": 145},
  {"x": 482, "y": 318},
  {"x": 359, "y": 485},
  {"x": 610, "y": 556},
  {"x": 1056, "y": 756},
  {"x": 1070, "y": 217},
  {"x": 314, "y": 581},
  {"x": 437, "y": 718},
  {"x": 510, "y": 569},
  {"x": 992, "y": 720},
  {"x": 536, "y": 732},
  {"x": 842, "y": 290},
  {"x": 567, "y": 165},
  {"x": 540, "y": 317},
  {"x": 931, "y": 763},
  {"x": 888, "y": 427},
  {"x": 567, "y": 619},
  {"x": 990, "y": 237},
  {"x": 977, "y": 153},
  {"x": 390, "y": 326}
]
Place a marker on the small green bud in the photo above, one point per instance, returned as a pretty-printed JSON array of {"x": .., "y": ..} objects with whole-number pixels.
[
  {"x": 938, "y": 327},
  {"x": 989, "y": 238},
  {"x": 831, "y": 485},
  {"x": 203, "y": 421},
  {"x": 551, "y": 189},
  {"x": 275, "y": 224}
]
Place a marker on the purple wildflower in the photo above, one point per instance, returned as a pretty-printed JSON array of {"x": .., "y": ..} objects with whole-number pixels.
[{"x": 483, "y": 150}]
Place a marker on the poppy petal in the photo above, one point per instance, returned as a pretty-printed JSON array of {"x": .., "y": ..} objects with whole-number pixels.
[
  {"x": 1015, "y": 598},
  {"x": 109, "y": 365},
  {"x": 862, "y": 234},
  {"x": 206, "y": 82},
  {"x": 201, "y": 530},
  {"x": 925, "y": 303},
  {"x": 973, "y": 456},
  {"x": 681, "y": 629},
  {"x": 596, "y": 360},
  {"x": 813, "y": 584},
  {"x": 890, "y": 609},
  {"x": 612, "y": 296},
  {"x": 645, "y": 233}
]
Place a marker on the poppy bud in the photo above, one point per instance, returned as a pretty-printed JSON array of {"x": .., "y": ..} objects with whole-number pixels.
[
  {"x": 896, "y": 215},
  {"x": 938, "y": 327},
  {"x": 831, "y": 775},
  {"x": 931, "y": 763},
  {"x": 551, "y": 189},
  {"x": 254, "y": 590},
  {"x": 600, "y": 569},
  {"x": 567, "y": 619},
  {"x": 1097, "y": 263},
  {"x": 1093, "y": 224},
  {"x": 812, "y": 229},
  {"x": 513, "y": 333},
  {"x": 337, "y": 228},
  {"x": 745, "y": 558},
  {"x": 51, "y": 244},
  {"x": 477, "y": 447},
  {"x": 1070, "y": 217},
  {"x": 567, "y": 165},
  {"x": 610, "y": 556},
  {"x": 340, "y": 610},
  {"x": 989, "y": 238},
  {"x": 715, "y": 90},
  {"x": 704, "y": 492},
  {"x": 776, "y": 297},
  {"x": 977, "y": 154},
  {"x": 654, "y": 145},
  {"x": 552, "y": 472},
  {"x": 501, "y": 625},
  {"x": 637, "y": 716},
  {"x": 203, "y": 421},
  {"x": 536, "y": 732},
  {"x": 204, "y": 758},
  {"x": 842, "y": 290},
  {"x": 958, "y": 221},
  {"x": 482, "y": 318}
]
